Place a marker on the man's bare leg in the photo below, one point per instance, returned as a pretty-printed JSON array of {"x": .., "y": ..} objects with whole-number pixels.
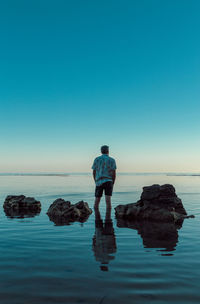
[
  {"x": 108, "y": 206},
  {"x": 96, "y": 202}
]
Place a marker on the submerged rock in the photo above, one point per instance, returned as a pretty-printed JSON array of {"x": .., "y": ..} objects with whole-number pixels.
[
  {"x": 157, "y": 203},
  {"x": 21, "y": 206},
  {"x": 62, "y": 212}
]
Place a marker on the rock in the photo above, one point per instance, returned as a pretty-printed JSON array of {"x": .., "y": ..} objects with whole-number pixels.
[
  {"x": 62, "y": 212},
  {"x": 58, "y": 207},
  {"x": 155, "y": 191},
  {"x": 21, "y": 206},
  {"x": 157, "y": 203}
]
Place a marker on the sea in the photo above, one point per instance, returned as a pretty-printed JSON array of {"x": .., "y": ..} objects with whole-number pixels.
[{"x": 98, "y": 261}]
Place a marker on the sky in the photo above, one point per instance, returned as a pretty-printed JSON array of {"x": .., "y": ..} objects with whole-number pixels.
[{"x": 75, "y": 75}]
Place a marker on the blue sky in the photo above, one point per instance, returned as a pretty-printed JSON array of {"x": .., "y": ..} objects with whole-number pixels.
[{"x": 78, "y": 74}]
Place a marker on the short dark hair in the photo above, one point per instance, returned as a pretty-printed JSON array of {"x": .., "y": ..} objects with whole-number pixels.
[{"x": 104, "y": 149}]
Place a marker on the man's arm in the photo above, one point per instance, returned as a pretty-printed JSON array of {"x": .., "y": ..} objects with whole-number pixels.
[
  {"x": 94, "y": 174},
  {"x": 113, "y": 176}
]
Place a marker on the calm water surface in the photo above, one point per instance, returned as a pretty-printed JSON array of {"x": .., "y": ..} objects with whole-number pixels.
[{"x": 98, "y": 261}]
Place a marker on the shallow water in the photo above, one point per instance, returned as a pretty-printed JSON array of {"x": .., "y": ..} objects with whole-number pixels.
[{"x": 87, "y": 263}]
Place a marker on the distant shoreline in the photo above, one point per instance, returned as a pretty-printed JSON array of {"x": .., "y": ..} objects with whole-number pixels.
[
  {"x": 89, "y": 173},
  {"x": 182, "y": 174},
  {"x": 34, "y": 174}
]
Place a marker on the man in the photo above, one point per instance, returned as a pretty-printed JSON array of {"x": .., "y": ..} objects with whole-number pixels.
[{"x": 104, "y": 173}]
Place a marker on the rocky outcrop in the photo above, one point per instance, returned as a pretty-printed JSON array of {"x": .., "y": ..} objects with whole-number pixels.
[
  {"x": 157, "y": 203},
  {"x": 62, "y": 212},
  {"x": 21, "y": 206}
]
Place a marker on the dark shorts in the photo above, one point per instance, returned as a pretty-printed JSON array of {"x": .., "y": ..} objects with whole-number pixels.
[{"x": 107, "y": 187}]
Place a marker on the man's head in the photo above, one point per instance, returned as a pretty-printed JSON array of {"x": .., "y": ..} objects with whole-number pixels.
[{"x": 104, "y": 149}]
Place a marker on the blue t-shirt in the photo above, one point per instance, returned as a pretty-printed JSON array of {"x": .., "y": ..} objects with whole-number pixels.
[{"x": 104, "y": 166}]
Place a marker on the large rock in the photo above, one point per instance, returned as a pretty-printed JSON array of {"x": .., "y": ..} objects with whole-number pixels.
[
  {"x": 62, "y": 212},
  {"x": 21, "y": 206},
  {"x": 157, "y": 203}
]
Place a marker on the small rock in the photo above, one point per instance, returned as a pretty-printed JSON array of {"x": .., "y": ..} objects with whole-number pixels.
[
  {"x": 21, "y": 206},
  {"x": 62, "y": 212}
]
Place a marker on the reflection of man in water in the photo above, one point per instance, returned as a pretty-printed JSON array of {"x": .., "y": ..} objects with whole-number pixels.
[
  {"x": 104, "y": 173},
  {"x": 104, "y": 243}
]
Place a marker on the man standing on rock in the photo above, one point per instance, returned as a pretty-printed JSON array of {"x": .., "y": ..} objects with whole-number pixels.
[{"x": 104, "y": 173}]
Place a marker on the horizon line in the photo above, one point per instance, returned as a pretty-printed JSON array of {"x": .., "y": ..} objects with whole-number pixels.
[{"x": 54, "y": 173}]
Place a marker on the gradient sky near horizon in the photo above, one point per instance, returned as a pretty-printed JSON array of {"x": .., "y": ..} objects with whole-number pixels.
[{"x": 75, "y": 75}]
